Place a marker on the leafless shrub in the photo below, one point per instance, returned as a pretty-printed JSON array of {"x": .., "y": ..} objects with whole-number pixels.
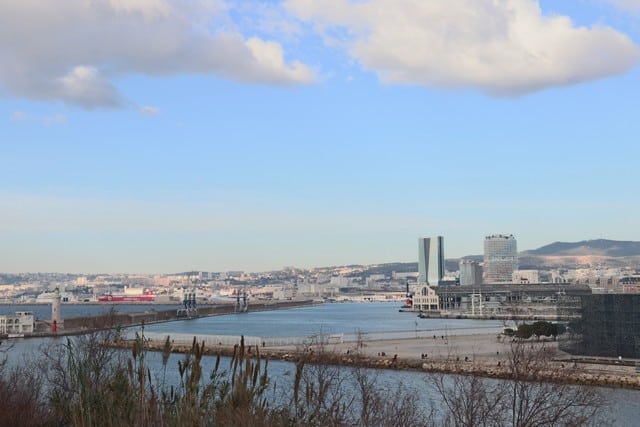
[
  {"x": 319, "y": 395},
  {"x": 536, "y": 394},
  {"x": 469, "y": 400},
  {"x": 384, "y": 407},
  {"x": 540, "y": 395}
]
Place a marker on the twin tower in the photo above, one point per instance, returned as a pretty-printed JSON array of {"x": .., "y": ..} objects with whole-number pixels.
[{"x": 430, "y": 260}]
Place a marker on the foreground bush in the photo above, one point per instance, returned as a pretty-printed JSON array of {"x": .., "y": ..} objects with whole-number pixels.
[{"x": 82, "y": 382}]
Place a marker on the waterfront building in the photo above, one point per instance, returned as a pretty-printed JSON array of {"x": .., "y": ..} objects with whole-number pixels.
[
  {"x": 513, "y": 301},
  {"x": 20, "y": 323},
  {"x": 524, "y": 277},
  {"x": 470, "y": 272},
  {"x": 608, "y": 327},
  {"x": 430, "y": 260},
  {"x": 500, "y": 258},
  {"x": 425, "y": 299}
]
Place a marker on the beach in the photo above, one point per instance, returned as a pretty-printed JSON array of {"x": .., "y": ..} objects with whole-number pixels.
[{"x": 438, "y": 347}]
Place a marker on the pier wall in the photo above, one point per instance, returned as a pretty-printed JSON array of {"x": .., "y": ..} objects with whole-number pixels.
[{"x": 116, "y": 318}]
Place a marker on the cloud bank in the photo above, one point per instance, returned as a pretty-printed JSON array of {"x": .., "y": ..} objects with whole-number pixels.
[
  {"x": 75, "y": 50},
  {"x": 500, "y": 47},
  {"x": 628, "y": 5}
]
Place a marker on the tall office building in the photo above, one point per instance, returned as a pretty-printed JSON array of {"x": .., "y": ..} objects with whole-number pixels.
[
  {"x": 430, "y": 260},
  {"x": 470, "y": 272},
  {"x": 500, "y": 258}
]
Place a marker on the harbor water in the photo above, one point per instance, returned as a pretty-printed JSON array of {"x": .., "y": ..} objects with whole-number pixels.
[{"x": 374, "y": 320}]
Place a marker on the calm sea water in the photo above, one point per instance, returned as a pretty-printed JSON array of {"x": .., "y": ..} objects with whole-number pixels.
[
  {"x": 347, "y": 318},
  {"x": 376, "y": 320}
]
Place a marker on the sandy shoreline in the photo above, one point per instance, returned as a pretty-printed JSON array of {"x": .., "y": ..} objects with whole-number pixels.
[
  {"x": 474, "y": 347},
  {"x": 481, "y": 354}
]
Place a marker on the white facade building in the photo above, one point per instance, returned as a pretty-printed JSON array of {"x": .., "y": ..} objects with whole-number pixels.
[
  {"x": 20, "y": 323},
  {"x": 425, "y": 299},
  {"x": 500, "y": 258}
]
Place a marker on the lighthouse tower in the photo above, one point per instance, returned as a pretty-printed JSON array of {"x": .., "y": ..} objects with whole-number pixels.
[{"x": 55, "y": 311}]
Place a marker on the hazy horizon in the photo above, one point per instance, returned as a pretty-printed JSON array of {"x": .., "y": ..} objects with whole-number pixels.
[{"x": 277, "y": 268}]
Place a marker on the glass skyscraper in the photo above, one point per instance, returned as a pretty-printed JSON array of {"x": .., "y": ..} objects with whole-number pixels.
[
  {"x": 500, "y": 258},
  {"x": 430, "y": 260}
]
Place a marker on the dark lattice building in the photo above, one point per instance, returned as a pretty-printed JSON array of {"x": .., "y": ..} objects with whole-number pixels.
[{"x": 609, "y": 326}]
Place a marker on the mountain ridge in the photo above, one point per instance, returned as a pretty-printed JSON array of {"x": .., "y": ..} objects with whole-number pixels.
[{"x": 596, "y": 247}]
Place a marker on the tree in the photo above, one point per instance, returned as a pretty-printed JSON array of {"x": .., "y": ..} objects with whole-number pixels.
[
  {"x": 524, "y": 331},
  {"x": 537, "y": 394},
  {"x": 469, "y": 400},
  {"x": 536, "y": 401}
]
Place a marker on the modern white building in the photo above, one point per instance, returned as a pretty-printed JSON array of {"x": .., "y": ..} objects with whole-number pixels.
[
  {"x": 500, "y": 258},
  {"x": 20, "y": 323},
  {"x": 430, "y": 273},
  {"x": 430, "y": 260},
  {"x": 470, "y": 272}
]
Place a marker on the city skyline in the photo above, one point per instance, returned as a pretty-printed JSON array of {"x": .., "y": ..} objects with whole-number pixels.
[{"x": 253, "y": 135}]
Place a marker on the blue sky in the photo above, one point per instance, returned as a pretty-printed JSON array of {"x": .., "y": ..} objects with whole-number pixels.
[{"x": 163, "y": 136}]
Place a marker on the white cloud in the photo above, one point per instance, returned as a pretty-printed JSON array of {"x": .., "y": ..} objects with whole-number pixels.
[
  {"x": 74, "y": 50},
  {"x": 85, "y": 86},
  {"x": 19, "y": 116},
  {"x": 149, "y": 110},
  {"x": 55, "y": 119},
  {"x": 629, "y": 5},
  {"x": 501, "y": 47},
  {"x": 270, "y": 55},
  {"x": 148, "y": 8},
  {"x": 259, "y": 16}
]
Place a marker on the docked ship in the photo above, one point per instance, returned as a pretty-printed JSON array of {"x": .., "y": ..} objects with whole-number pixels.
[
  {"x": 130, "y": 295},
  {"x": 48, "y": 297}
]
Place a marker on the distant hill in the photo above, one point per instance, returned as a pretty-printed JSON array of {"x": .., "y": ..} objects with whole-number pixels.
[
  {"x": 387, "y": 269},
  {"x": 599, "y": 247}
]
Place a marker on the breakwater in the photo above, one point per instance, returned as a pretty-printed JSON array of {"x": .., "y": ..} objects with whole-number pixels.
[{"x": 113, "y": 318}]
